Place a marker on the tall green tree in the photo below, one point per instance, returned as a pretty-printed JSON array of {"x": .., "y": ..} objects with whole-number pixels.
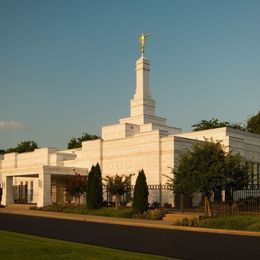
[
  {"x": 201, "y": 170},
  {"x": 236, "y": 176},
  {"x": 206, "y": 168},
  {"x": 253, "y": 124},
  {"x": 215, "y": 123},
  {"x": 140, "y": 200},
  {"x": 25, "y": 146},
  {"x": 89, "y": 191},
  {"x": 98, "y": 186},
  {"x": 77, "y": 142},
  {"x": 94, "y": 188},
  {"x": 118, "y": 185}
]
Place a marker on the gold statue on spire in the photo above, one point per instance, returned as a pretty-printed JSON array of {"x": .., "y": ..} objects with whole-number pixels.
[{"x": 142, "y": 41}]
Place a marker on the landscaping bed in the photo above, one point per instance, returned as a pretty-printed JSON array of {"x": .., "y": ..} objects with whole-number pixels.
[
  {"x": 122, "y": 212},
  {"x": 233, "y": 222}
]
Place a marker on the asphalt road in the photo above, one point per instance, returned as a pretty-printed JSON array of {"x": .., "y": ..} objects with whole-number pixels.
[{"x": 171, "y": 243}]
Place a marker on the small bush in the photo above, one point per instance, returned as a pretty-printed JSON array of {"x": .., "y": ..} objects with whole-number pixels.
[
  {"x": 155, "y": 214},
  {"x": 194, "y": 222},
  {"x": 155, "y": 205},
  {"x": 167, "y": 205},
  {"x": 140, "y": 215}
]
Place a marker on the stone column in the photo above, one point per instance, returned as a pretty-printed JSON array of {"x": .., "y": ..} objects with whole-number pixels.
[
  {"x": 44, "y": 190},
  {"x": 7, "y": 197}
]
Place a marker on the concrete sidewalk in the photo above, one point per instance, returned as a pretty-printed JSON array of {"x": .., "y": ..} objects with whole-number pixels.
[{"x": 123, "y": 221}]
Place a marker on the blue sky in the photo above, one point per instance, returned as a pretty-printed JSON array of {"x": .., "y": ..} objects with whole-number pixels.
[{"x": 67, "y": 67}]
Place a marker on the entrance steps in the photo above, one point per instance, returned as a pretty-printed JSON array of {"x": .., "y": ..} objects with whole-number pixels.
[
  {"x": 19, "y": 206},
  {"x": 174, "y": 216}
]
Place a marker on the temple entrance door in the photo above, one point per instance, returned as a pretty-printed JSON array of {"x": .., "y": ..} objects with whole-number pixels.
[{"x": 20, "y": 194}]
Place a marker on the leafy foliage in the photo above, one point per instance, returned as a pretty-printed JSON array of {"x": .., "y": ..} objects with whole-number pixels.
[
  {"x": 76, "y": 185},
  {"x": 118, "y": 185},
  {"x": 140, "y": 201},
  {"x": 236, "y": 173},
  {"x": 215, "y": 123},
  {"x": 25, "y": 146},
  {"x": 94, "y": 188},
  {"x": 253, "y": 124},
  {"x": 77, "y": 142},
  {"x": 206, "y": 168}
]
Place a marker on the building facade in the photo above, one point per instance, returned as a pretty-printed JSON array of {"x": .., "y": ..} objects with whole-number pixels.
[{"x": 141, "y": 141}]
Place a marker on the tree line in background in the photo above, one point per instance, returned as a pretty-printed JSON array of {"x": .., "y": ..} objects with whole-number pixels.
[
  {"x": 25, "y": 146},
  {"x": 77, "y": 142},
  {"x": 29, "y": 146},
  {"x": 252, "y": 124}
]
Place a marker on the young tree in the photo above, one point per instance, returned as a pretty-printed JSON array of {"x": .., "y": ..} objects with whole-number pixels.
[
  {"x": 182, "y": 181},
  {"x": 76, "y": 186},
  {"x": 77, "y": 142},
  {"x": 253, "y": 124},
  {"x": 140, "y": 201},
  {"x": 94, "y": 188},
  {"x": 118, "y": 185}
]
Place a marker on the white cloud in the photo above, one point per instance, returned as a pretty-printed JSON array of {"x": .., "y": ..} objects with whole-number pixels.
[{"x": 11, "y": 125}]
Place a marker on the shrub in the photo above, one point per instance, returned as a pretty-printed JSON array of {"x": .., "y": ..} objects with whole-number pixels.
[
  {"x": 194, "y": 222},
  {"x": 155, "y": 214},
  {"x": 155, "y": 204},
  {"x": 167, "y": 205}
]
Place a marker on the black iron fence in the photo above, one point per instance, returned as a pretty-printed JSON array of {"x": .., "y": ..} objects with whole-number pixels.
[
  {"x": 246, "y": 201},
  {"x": 158, "y": 195}
]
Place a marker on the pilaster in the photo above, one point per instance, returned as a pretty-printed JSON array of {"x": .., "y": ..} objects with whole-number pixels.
[
  {"x": 44, "y": 190},
  {"x": 7, "y": 197}
]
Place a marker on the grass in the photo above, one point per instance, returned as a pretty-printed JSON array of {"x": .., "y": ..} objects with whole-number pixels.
[
  {"x": 82, "y": 209},
  {"x": 21, "y": 246},
  {"x": 235, "y": 222},
  {"x": 153, "y": 214}
]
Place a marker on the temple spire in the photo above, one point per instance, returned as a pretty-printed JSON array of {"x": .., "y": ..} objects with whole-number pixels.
[{"x": 142, "y": 103}]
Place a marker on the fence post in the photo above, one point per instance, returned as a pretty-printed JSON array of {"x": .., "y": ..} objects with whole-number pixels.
[
  {"x": 160, "y": 195},
  {"x": 107, "y": 195}
]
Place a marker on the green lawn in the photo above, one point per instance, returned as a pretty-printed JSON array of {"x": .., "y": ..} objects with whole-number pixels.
[
  {"x": 236, "y": 222},
  {"x": 82, "y": 209},
  {"x": 20, "y": 246}
]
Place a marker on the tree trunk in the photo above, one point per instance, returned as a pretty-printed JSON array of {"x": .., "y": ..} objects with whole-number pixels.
[
  {"x": 117, "y": 201},
  {"x": 210, "y": 212},
  {"x": 205, "y": 206},
  {"x": 182, "y": 202}
]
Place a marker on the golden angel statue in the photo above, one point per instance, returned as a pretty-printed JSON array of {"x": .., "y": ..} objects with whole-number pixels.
[{"x": 142, "y": 41}]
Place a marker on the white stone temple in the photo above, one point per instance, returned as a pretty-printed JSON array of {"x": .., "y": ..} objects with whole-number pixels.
[{"x": 141, "y": 141}]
